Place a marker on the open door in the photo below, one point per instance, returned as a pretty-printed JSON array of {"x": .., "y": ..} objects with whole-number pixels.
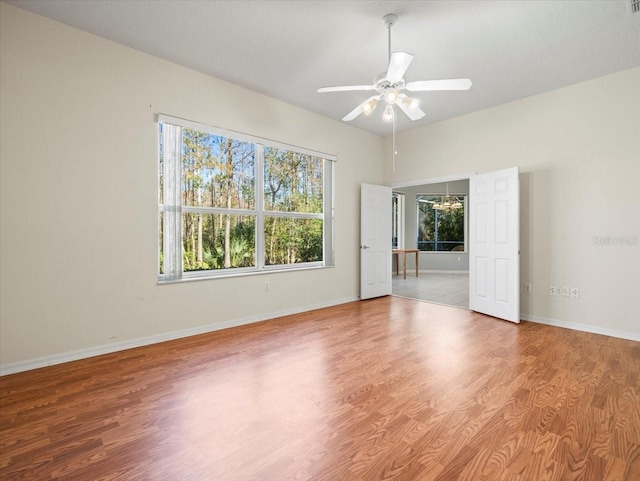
[
  {"x": 375, "y": 241},
  {"x": 494, "y": 244}
]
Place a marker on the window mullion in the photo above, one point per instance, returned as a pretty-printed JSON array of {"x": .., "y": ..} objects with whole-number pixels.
[
  {"x": 293, "y": 215},
  {"x": 217, "y": 210},
  {"x": 259, "y": 200}
]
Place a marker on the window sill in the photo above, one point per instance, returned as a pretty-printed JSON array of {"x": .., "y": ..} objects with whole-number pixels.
[{"x": 241, "y": 274}]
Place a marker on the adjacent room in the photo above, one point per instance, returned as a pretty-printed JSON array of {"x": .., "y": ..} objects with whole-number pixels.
[
  {"x": 317, "y": 240},
  {"x": 433, "y": 219}
]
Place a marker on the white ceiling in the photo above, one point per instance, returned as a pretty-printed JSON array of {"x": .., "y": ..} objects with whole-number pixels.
[{"x": 288, "y": 49}]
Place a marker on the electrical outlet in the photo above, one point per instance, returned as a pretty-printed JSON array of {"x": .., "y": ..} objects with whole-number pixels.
[
  {"x": 527, "y": 288},
  {"x": 565, "y": 292},
  {"x": 553, "y": 291},
  {"x": 266, "y": 286},
  {"x": 575, "y": 293}
]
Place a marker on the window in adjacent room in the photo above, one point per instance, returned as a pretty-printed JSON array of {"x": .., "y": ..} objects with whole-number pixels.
[
  {"x": 441, "y": 229},
  {"x": 397, "y": 220},
  {"x": 232, "y": 203}
]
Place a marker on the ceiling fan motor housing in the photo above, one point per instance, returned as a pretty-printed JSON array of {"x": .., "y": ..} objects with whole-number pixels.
[{"x": 381, "y": 83}]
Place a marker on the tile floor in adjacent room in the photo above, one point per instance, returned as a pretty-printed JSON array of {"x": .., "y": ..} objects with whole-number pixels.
[{"x": 450, "y": 288}]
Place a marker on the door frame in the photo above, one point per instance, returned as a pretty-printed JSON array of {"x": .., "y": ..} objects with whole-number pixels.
[{"x": 433, "y": 180}]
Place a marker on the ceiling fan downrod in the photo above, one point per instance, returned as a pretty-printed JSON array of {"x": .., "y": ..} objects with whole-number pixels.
[{"x": 389, "y": 19}]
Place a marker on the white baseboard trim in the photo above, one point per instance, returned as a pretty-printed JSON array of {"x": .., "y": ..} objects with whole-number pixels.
[
  {"x": 582, "y": 327},
  {"x": 45, "y": 361}
]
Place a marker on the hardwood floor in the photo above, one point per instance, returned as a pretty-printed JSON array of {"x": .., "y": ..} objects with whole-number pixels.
[{"x": 387, "y": 389}]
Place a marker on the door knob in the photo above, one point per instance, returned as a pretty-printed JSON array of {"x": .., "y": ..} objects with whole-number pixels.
[{"x": 365, "y": 247}]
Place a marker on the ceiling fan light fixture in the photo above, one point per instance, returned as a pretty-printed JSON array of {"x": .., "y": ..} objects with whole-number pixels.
[
  {"x": 388, "y": 113},
  {"x": 411, "y": 103},
  {"x": 448, "y": 202},
  {"x": 391, "y": 95},
  {"x": 369, "y": 106}
]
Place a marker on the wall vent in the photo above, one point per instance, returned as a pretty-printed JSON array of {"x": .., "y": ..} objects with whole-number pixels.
[{"x": 635, "y": 6}]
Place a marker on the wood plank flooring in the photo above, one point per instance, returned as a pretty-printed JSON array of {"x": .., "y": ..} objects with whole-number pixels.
[{"x": 387, "y": 389}]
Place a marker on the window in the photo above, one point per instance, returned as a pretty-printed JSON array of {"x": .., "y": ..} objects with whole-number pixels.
[
  {"x": 397, "y": 220},
  {"x": 441, "y": 230},
  {"x": 232, "y": 204}
]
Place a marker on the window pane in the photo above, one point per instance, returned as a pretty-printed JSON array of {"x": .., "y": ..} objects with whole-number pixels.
[
  {"x": 292, "y": 181},
  {"x": 217, "y": 241},
  {"x": 440, "y": 230},
  {"x": 292, "y": 241},
  {"x": 217, "y": 171}
]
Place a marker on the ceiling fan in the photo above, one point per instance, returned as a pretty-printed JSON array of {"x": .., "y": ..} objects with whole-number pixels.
[{"x": 391, "y": 83}]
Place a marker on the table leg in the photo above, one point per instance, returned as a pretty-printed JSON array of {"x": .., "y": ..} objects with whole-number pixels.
[
  {"x": 404, "y": 265},
  {"x": 416, "y": 264}
]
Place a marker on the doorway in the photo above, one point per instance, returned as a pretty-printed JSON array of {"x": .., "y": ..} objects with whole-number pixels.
[
  {"x": 440, "y": 235},
  {"x": 492, "y": 247}
]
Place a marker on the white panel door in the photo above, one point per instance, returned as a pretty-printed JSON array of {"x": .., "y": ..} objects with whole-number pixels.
[
  {"x": 375, "y": 241},
  {"x": 494, "y": 244}
]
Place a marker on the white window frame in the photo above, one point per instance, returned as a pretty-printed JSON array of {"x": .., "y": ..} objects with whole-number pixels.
[{"x": 173, "y": 209}]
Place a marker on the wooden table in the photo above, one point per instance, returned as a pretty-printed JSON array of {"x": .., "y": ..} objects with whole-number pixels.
[{"x": 404, "y": 252}]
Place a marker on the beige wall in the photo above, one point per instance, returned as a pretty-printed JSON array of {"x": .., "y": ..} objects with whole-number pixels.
[
  {"x": 578, "y": 150},
  {"x": 79, "y": 193}
]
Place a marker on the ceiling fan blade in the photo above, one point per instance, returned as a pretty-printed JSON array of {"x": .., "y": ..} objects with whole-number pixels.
[
  {"x": 448, "y": 84},
  {"x": 346, "y": 88},
  {"x": 359, "y": 109},
  {"x": 414, "y": 113},
  {"x": 398, "y": 65}
]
